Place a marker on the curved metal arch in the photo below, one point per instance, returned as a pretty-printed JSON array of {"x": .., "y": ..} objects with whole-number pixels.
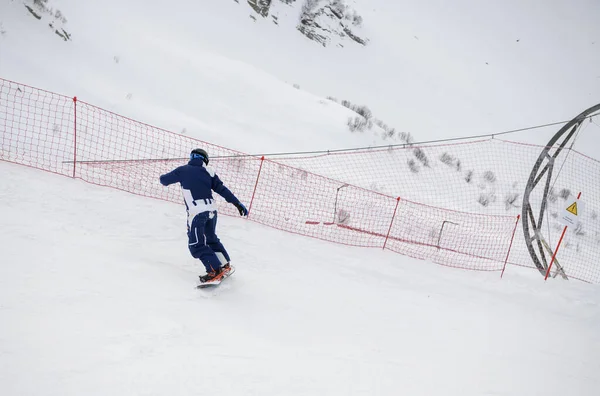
[{"x": 543, "y": 169}]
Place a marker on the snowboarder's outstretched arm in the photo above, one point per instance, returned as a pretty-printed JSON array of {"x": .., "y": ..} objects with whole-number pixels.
[
  {"x": 170, "y": 178},
  {"x": 219, "y": 188}
]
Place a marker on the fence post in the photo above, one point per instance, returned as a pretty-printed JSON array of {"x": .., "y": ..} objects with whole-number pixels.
[
  {"x": 510, "y": 246},
  {"x": 442, "y": 230},
  {"x": 262, "y": 159},
  {"x": 336, "y": 200},
  {"x": 391, "y": 223},
  {"x": 75, "y": 136}
]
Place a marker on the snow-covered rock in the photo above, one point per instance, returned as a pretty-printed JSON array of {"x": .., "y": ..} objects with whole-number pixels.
[{"x": 327, "y": 22}]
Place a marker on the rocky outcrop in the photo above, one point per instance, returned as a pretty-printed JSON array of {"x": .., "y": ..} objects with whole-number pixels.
[
  {"x": 354, "y": 37},
  {"x": 260, "y": 6},
  {"x": 40, "y": 10},
  {"x": 327, "y": 22},
  {"x": 330, "y": 21}
]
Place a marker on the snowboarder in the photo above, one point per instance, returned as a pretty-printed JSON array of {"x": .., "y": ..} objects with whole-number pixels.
[{"x": 197, "y": 182}]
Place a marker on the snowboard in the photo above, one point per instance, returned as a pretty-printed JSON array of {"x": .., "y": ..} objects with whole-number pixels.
[{"x": 217, "y": 282}]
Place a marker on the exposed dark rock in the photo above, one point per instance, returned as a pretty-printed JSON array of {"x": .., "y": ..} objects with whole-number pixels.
[
  {"x": 322, "y": 20},
  {"x": 65, "y": 34},
  {"x": 354, "y": 37},
  {"x": 309, "y": 29},
  {"x": 338, "y": 13},
  {"x": 62, "y": 34},
  {"x": 260, "y": 6},
  {"x": 39, "y": 9},
  {"x": 33, "y": 12}
]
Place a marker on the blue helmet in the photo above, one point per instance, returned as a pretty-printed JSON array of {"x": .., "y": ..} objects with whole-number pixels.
[{"x": 199, "y": 153}]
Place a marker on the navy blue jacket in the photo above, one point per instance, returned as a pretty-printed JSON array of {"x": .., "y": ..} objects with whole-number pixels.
[{"x": 199, "y": 180}]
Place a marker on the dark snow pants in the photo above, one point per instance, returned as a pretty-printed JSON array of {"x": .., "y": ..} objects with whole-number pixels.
[{"x": 203, "y": 241}]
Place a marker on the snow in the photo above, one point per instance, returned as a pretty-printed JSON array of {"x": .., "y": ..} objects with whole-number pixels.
[
  {"x": 97, "y": 286},
  {"x": 436, "y": 85},
  {"x": 97, "y": 297},
  {"x": 162, "y": 82}
]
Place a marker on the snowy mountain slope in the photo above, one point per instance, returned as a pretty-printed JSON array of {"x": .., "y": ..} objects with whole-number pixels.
[
  {"x": 444, "y": 70},
  {"x": 97, "y": 297},
  {"x": 441, "y": 69},
  {"x": 433, "y": 69},
  {"x": 205, "y": 95},
  {"x": 431, "y": 83}
]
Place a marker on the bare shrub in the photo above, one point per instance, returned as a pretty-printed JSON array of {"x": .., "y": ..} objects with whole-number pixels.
[
  {"x": 483, "y": 200},
  {"x": 420, "y": 155},
  {"x": 412, "y": 165},
  {"x": 361, "y": 110},
  {"x": 447, "y": 159},
  {"x": 380, "y": 124},
  {"x": 41, "y": 4},
  {"x": 406, "y": 137},
  {"x": 564, "y": 193},
  {"x": 510, "y": 200},
  {"x": 469, "y": 176},
  {"x": 364, "y": 111},
  {"x": 552, "y": 197},
  {"x": 357, "y": 124},
  {"x": 489, "y": 177},
  {"x": 486, "y": 198},
  {"x": 389, "y": 132},
  {"x": 342, "y": 216}
]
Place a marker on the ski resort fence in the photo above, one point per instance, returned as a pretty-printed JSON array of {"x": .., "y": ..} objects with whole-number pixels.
[{"x": 445, "y": 211}]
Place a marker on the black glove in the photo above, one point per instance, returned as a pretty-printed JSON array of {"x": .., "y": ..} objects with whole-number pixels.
[{"x": 241, "y": 208}]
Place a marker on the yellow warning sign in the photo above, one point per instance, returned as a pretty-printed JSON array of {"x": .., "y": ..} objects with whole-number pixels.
[{"x": 572, "y": 214}]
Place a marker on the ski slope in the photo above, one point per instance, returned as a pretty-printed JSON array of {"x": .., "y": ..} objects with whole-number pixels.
[
  {"x": 97, "y": 297},
  {"x": 97, "y": 287}
]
